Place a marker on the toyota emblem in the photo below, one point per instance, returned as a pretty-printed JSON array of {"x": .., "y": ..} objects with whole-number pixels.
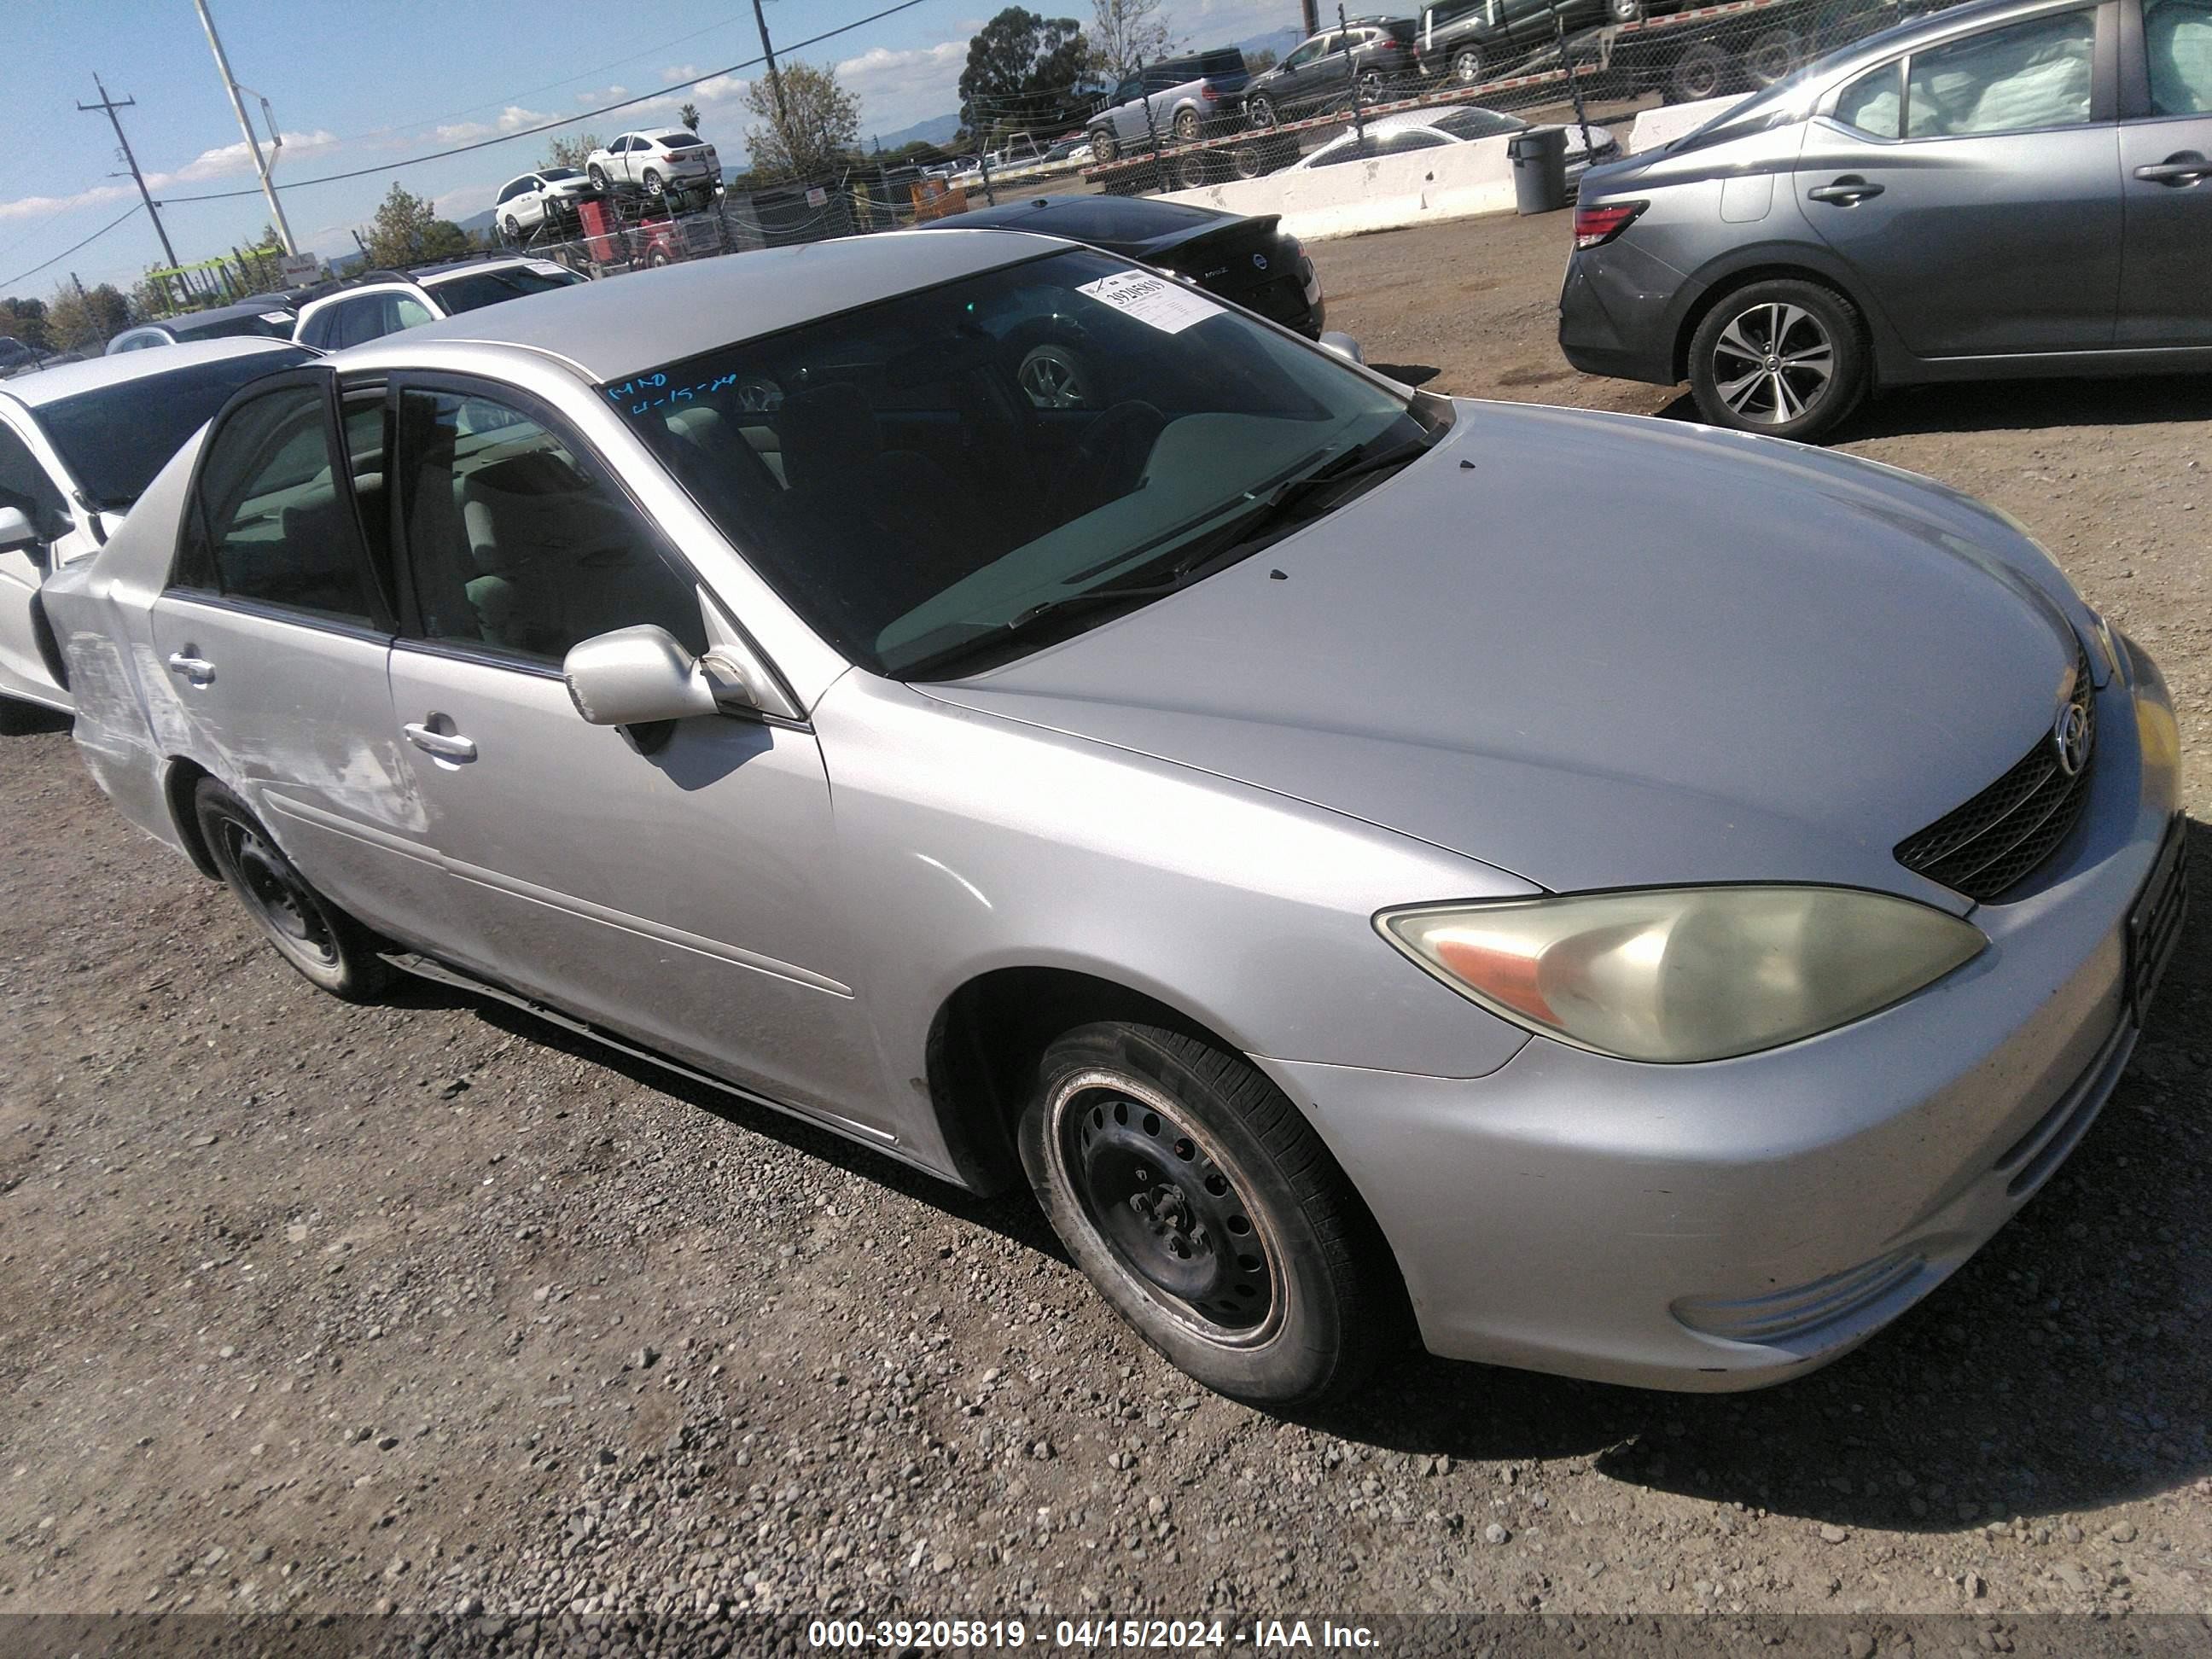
[
  {"x": 1258, "y": 262},
  {"x": 2070, "y": 738}
]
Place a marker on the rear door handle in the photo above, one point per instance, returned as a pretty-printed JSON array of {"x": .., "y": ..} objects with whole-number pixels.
[
  {"x": 198, "y": 669},
  {"x": 445, "y": 746},
  {"x": 1846, "y": 191},
  {"x": 2186, "y": 168}
]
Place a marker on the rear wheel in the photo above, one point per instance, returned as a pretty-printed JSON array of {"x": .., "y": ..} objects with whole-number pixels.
[
  {"x": 1370, "y": 85},
  {"x": 329, "y": 948},
  {"x": 1625, "y": 11},
  {"x": 1785, "y": 358},
  {"x": 1207, "y": 1211},
  {"x": 1466, "y": 66},
  {"x": 1247, "y": 161},
  {"x": 1104, "y": 148},
  {"x": 1701, "y": 72},
  {"x": 1772, "y": 57},
  {"x": 1194, "y": 171}
]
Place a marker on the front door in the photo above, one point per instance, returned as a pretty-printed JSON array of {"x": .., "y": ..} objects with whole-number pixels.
[
  {"x": 1974, "y": 189},
  {"x": 2166, "y": 183},
  {"x": 25, "y": 486},
  {"x": 673, "y": 885},
  {"x": 271, "y": 642}
]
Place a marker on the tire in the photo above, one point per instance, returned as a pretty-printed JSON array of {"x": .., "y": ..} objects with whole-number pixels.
[
  {"x": 1772, "y": 57},
  {"x": 1777, "y": 322},
  {"x": 1054, "y": 376},
  {"x": 1701, "y": 72},
  {"x": 1247, "y": 161},
  {"x": 1186, "y": 126},
  {"x": 657, "y": 259},
  {"x": 1194, "y": 171},
  {"x": 1466, "y": 66},
  {"x": 1261, "y": 112},
  {"x": 331, "y": 950},
  {"x": 1252, "y": 1266},
  {"x": 1625, "y": 11},
  {"x": 598, "y": 178},
  {"x": 1370, "y": 85},
  {"x": 1104, "y": 149},
  {"x": 654, "y": 183},
  {"x": 511, "y": 228}
]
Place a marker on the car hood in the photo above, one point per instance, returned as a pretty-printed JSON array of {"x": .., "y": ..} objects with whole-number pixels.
[{"x": 1597, "y": 650}]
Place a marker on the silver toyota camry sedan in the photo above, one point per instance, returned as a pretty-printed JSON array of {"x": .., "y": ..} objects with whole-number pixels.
[{"x": 1609, "y": 896}]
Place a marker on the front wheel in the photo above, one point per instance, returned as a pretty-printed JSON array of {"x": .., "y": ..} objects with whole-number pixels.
[
  {"x": 1370, "y": 85},
  {"x": 1207, "y": 1211},
  {"x": 655, "y": 185},
  {"x": 1772, "y": 57},
  {"x": 1186, "y": 127},
  {"x": 329, "y": 948},
  {"x": 598, "y": 178},
  {"x": 1785, "y": 358},
  {"x": 1261, "y": 112},
  {"x": 1701, "y": 72},
  {"x": 1104, "y": 149},
  {"x": 512, "y": 228}
]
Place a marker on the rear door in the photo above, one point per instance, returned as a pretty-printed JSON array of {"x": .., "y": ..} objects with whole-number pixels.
[
  {"x": 2165, "y": 177},
  {"x": 271, "y": 639},
  {"x": 669, "y": 885},
  {"x": 1973, "y": 186}
]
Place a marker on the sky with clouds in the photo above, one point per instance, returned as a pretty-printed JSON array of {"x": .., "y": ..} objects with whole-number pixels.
[{"x": 387, "y": 84}]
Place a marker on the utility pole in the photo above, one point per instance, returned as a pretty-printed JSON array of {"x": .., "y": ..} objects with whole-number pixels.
[
  {"x": 108, "y": 106},
  {"x": 238, "y": 107},
  {"x": 775, "y": 80}
]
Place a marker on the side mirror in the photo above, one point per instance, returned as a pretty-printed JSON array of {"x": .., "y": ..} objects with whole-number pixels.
[
  {"x": 1343, "y": 345},
  {"x": 639, "y": 676},
  {"x": 17, "y": 534}
]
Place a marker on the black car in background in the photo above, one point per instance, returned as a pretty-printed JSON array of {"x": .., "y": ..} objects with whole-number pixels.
[{"x": 1252, "y": 262}]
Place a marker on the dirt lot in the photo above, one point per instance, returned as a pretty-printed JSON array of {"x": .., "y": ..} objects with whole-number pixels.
[{"x": 420, "y": 1305}]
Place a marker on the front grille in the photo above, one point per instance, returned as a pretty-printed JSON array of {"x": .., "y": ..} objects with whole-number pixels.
[{"x": 2003, "y": 833}]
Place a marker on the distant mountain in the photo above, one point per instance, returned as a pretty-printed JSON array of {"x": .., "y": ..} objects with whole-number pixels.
[
  {"x": 1278, "y": 41},
  {"x": 476, "y": 224},
  {"x": 937, "y": 130}
]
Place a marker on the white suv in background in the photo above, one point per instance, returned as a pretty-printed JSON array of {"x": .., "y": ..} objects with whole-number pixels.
[
  {"x": 381, "y": 302},
  {"x": 658, "y": 161},
  {"x": 549, "y": 194}
]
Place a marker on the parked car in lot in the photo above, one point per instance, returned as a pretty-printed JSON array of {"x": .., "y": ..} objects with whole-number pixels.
[
  {"x": 1251, "y": 262},
  {"x": 1371, "y": 58},
  {"x": 264, "y": 316},
  {"x": 18, "y": 358},
  {"x": 663, "y": 160},
  {"x": 1174, "y": 100},
  {"x": 1430, "y": 129},
  {"x": 2007, "y": 188},
  {"x": 1626, "y": 941},
  {"x": 78, "y": 445},
  {"x": 380, "y": 302},
  {"x": 549, "y": 196}
]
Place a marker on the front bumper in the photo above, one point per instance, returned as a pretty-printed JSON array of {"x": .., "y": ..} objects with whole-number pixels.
[{"x": 1735, "y": 1224}]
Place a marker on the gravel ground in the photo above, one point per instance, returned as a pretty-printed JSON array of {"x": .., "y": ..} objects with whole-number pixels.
[{"x": 423, "y": 1306}]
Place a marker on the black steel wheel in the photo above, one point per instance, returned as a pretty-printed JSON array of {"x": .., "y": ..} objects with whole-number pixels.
[
  {"x": 1783, "y": 358},
  {"x": 331, "y": 949},
  {"x": 1206, "y": 1211}
]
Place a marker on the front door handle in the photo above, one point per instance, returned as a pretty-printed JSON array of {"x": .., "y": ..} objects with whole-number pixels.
[
  {"x": 1847, "y": 191},
  {"x": 446, "y": 746},
  {"x": 2187, "y": 168},
  {"x": 198, "y": 669}
]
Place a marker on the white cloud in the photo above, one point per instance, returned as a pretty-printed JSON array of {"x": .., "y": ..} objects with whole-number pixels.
[
  {"x": 459, "y": 203},
  {"x": 898, "y": 88},
  {"x": 225, "y": 162},
  {"x": 603, "y": 95},
  {"x": 513, "y": 118}
]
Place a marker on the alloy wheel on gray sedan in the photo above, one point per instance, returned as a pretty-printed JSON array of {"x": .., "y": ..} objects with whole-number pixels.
[{"x": 1782, "y": 357}]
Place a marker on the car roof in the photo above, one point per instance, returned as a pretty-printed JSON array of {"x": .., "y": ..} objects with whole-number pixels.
[
  {"x": 429, "y": 275},
  {"x": 625, "y": 325},
  {"x": 48, "y": 386},
  {"x": 1041, "y": 214},
  {"x": 660, "y": 133}
]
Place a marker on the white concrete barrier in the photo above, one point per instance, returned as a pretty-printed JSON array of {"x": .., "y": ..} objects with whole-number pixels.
[
  {"x": 1451, "y": 182},
  {"x": 1654, "y": 127}
]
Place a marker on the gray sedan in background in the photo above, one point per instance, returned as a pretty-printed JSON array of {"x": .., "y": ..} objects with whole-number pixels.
[
  {"x": 1352, "y": 892},
  {"x": 2008, "y": 188}
]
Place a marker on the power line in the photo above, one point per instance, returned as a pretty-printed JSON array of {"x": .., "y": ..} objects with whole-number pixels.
[
  {"x": 565, "y": 121},
  {"x": 66, "y": 252}
]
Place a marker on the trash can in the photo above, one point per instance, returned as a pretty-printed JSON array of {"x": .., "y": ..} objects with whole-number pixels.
[{"x": 1539, "y": 169}]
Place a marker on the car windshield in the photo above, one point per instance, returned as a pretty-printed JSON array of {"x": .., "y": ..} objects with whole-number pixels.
[
  {"x": 923, "y": 478},
  {"x": 489, "y": 288},
  {"x": 1477, "y": 123},
  {"x": 114, "y": 440}
]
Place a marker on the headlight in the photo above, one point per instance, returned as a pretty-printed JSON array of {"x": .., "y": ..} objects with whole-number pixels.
[{"x": 1685, "y": 973}]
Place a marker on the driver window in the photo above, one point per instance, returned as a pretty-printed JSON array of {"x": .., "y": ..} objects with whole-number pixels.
[
  {"x": 517, "y": 543},
  {"x": 2020, "y": 78},
  {"x": 2178, "y": 41}
]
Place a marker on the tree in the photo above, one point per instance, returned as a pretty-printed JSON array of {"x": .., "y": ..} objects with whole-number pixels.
[
  {"x": 26, "y": 320},
  {"x": 89, "y": 321},
  {"x": 572, "y": 152},
  {"x": 1126, "y": 33},
  {"x": 824, "y": 122},
  {"x": 1021, "y": 70},
  {"x": 407, "y": 231},
  {"x": 689, "y": 116},
  {"x": 259, "y": 270}
]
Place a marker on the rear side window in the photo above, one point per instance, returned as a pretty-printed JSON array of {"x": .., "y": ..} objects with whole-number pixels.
[
  {"x": 1874, "y": 103},
  {"x": 270, "y": 524},
  {"x": 681, "y": 140},
  {"x": 2178, "y": 41},
  {"x": 2021, "y": 78}
]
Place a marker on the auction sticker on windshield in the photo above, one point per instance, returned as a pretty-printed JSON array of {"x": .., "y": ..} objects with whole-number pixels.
[{"x": 1168, "y": 306}]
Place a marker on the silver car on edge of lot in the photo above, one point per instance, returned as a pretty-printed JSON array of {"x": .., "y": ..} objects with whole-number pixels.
[
  {"x": 1350, "y": 884},
  {"x": 2006, "y": 188}
]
